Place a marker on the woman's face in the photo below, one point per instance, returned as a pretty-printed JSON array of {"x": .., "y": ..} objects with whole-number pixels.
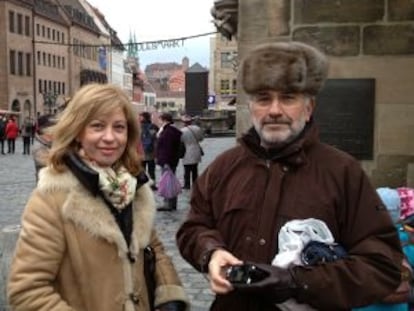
[{"x": 104, "y": 138}]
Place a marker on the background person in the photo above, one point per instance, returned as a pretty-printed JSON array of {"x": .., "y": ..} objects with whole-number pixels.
[
  {"x": 86, "y": 224},
  {"x": 280, "y": 171},
  {"x": 168, "y": 145},
  {"x": 148, "y": 141},
  {"x": 12, "y": 131},
  {"x": 26, "y": 133},
  {"x": 2, "y": 132},
  {"x": 191, "y": 137}
]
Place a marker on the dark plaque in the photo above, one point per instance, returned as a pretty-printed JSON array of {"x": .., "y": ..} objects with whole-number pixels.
[{"x": 345, "y": 114}]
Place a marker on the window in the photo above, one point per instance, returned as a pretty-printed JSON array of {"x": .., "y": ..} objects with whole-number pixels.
[
  {"x": 58, "y": 61},
  {"x": 234, "y": 86},
  {"x": 53, "y": 35},
  {"x": 44, "y": 86},
  {"x": 12, "y": 62},
  {"x": 43, "y": 31},
  {"x": 28, "y": 64},
  {"x": 49, "y": 59},
  {"x": 40, "y": 86},
  {"x": 20, "y": 24},
  {"x": 226, "y": 60},
  {"x": 20, "y": 63},
  {"x": 58, "y": 35},
  {"x": 63, "y": 37},
  {"x": 224, "y": 87},
  {"x": 63, "y": 87},
  {"x": 27, "y": 25},
  {"x": 11, "y": 21},
  {"x": 54, "y": 87},
  {"x": 39, "y": 58},
  {"x": 48, "y": 32},
  {"x": 63, "y": 63},
  {"x": 38, "y": 29},
  {"x": 54, "y": 61},
  {"x": 44, "y": 59}
]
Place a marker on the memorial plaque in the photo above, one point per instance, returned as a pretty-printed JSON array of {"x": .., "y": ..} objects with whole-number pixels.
[{"x": 345, "y": 114}]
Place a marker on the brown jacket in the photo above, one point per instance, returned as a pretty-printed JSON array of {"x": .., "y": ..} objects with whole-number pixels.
[
  {"x": 247, "y": 194},
  {"x": 71, "y": 254}
]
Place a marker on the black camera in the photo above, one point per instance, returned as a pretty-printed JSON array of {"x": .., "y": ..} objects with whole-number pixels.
[{"x": 245, "y": 274}]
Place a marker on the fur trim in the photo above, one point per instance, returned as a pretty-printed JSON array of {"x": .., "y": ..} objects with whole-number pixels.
[
  {"x": 92, "y": 215},
  {"x": 284, "y": 66}
]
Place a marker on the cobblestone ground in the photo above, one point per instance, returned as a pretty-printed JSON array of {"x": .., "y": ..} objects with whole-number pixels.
[{"x": 17, "y": 180}]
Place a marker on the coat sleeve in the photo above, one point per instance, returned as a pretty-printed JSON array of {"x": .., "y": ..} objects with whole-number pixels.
[
  {"x": 372, "y": 269},
  {"x": 38, "y": 253},
  {"x": 168, "y": 284},
  {"x": 198, "y": 237}
]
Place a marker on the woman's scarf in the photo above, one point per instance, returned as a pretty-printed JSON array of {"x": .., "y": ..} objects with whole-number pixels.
[{"x": 117, "y": 186}]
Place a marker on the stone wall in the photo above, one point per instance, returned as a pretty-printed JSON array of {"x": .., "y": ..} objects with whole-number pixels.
[{"x": 363, "y": 39}]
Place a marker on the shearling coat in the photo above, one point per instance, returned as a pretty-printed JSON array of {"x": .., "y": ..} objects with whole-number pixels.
[
  {"x": 72, "y": 256},
  {"x": 247, "y": 194}
]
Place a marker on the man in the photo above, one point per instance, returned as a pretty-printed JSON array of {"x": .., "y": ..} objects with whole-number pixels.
[
  {"x": 168, "y": 145},
  {"x": 148, "y": 140},
  {"x": 281, "y": 172},
  {"x": 192, "y": 135}
]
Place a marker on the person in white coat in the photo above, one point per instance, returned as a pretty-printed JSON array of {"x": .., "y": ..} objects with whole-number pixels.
[{"x": 191, "y": 137}]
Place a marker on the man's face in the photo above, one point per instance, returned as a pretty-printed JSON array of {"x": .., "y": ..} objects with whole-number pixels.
[{"x": 279, "y": 117}]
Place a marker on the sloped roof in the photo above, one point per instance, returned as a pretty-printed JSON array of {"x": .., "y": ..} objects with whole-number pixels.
[
  {"x": 77, "y": 14},
  {"x": 196, "y": 68}
]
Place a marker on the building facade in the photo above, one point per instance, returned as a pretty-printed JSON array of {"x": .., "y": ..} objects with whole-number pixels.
[{"x": 50, "y": 48}]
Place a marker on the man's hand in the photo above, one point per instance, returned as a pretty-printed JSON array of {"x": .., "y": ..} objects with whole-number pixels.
[
  {"x": 277, "y": 286},
  {"x": 219, "y": 261}
]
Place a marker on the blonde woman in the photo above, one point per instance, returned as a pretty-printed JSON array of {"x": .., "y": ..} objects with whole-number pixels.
[{"x": 86, "y": 224}]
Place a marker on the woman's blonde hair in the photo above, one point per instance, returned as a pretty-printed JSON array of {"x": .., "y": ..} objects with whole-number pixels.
[{"x": 89, "y": 102}]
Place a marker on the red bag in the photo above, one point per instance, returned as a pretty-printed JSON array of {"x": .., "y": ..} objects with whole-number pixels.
[{"x": 169, "y": 186}]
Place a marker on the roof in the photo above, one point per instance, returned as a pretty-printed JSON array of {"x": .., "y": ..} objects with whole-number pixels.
[{"x": 196, "y": 68}]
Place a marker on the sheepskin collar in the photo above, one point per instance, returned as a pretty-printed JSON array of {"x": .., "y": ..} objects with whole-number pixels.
[{"x": 88, "y": 211}]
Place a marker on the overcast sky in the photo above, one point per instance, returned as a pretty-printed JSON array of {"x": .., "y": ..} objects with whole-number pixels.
[{"x": 162, "y": 20}]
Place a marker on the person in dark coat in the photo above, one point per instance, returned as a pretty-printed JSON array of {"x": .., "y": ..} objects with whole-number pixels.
[
  {"x": 148, "y": 141},
  {"x": 169, "y": 138},
  {"x": 278, "y": 173}
]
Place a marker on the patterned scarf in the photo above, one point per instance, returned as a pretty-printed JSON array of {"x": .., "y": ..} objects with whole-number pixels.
[{"x": 118, "y": 187}]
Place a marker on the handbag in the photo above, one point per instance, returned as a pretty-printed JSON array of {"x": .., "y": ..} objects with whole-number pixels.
[
  {"x": 169, "y": 186},
  {"x": 149, "y": 274}
]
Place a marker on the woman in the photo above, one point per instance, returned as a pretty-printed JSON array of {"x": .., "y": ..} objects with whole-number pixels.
[{"x": 86, "y": 224}]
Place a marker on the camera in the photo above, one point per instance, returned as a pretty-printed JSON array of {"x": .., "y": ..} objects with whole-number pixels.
[{"x": 245, "y": 274}]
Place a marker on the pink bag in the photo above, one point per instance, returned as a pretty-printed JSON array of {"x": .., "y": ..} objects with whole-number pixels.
[{"x": 169, "y": 186}]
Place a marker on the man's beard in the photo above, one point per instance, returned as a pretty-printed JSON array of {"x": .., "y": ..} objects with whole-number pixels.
[{"x": 278, "y": 138}]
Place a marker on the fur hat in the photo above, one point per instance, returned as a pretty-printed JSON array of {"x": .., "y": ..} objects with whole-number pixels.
[{"x": 284, "y": 66}]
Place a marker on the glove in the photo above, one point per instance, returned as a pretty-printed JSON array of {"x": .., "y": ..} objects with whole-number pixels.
[
  {"x": 172, "y": 306},
  {"x": 273, "y": 283}
]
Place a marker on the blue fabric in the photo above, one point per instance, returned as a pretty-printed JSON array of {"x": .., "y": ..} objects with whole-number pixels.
[{"x": 384, "y": 307}]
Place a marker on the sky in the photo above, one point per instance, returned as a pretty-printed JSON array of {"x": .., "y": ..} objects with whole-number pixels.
[{"x": 151, "y": 20}]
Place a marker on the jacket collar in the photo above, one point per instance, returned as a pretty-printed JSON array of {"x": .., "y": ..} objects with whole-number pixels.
[
  {"x": 293, "y": 153},
  {"x": 80, "y": 207}
]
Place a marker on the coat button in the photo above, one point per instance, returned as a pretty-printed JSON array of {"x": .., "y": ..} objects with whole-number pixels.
[
  {"x": 248, "y": 239},
  {"x": 262, "y": 242},
  {"x": 285, "y": 168},
  {"x": 134, "y": 298}
]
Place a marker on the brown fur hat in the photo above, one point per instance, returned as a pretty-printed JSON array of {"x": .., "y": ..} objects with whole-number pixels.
[{"x": 284, "y": 66}]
